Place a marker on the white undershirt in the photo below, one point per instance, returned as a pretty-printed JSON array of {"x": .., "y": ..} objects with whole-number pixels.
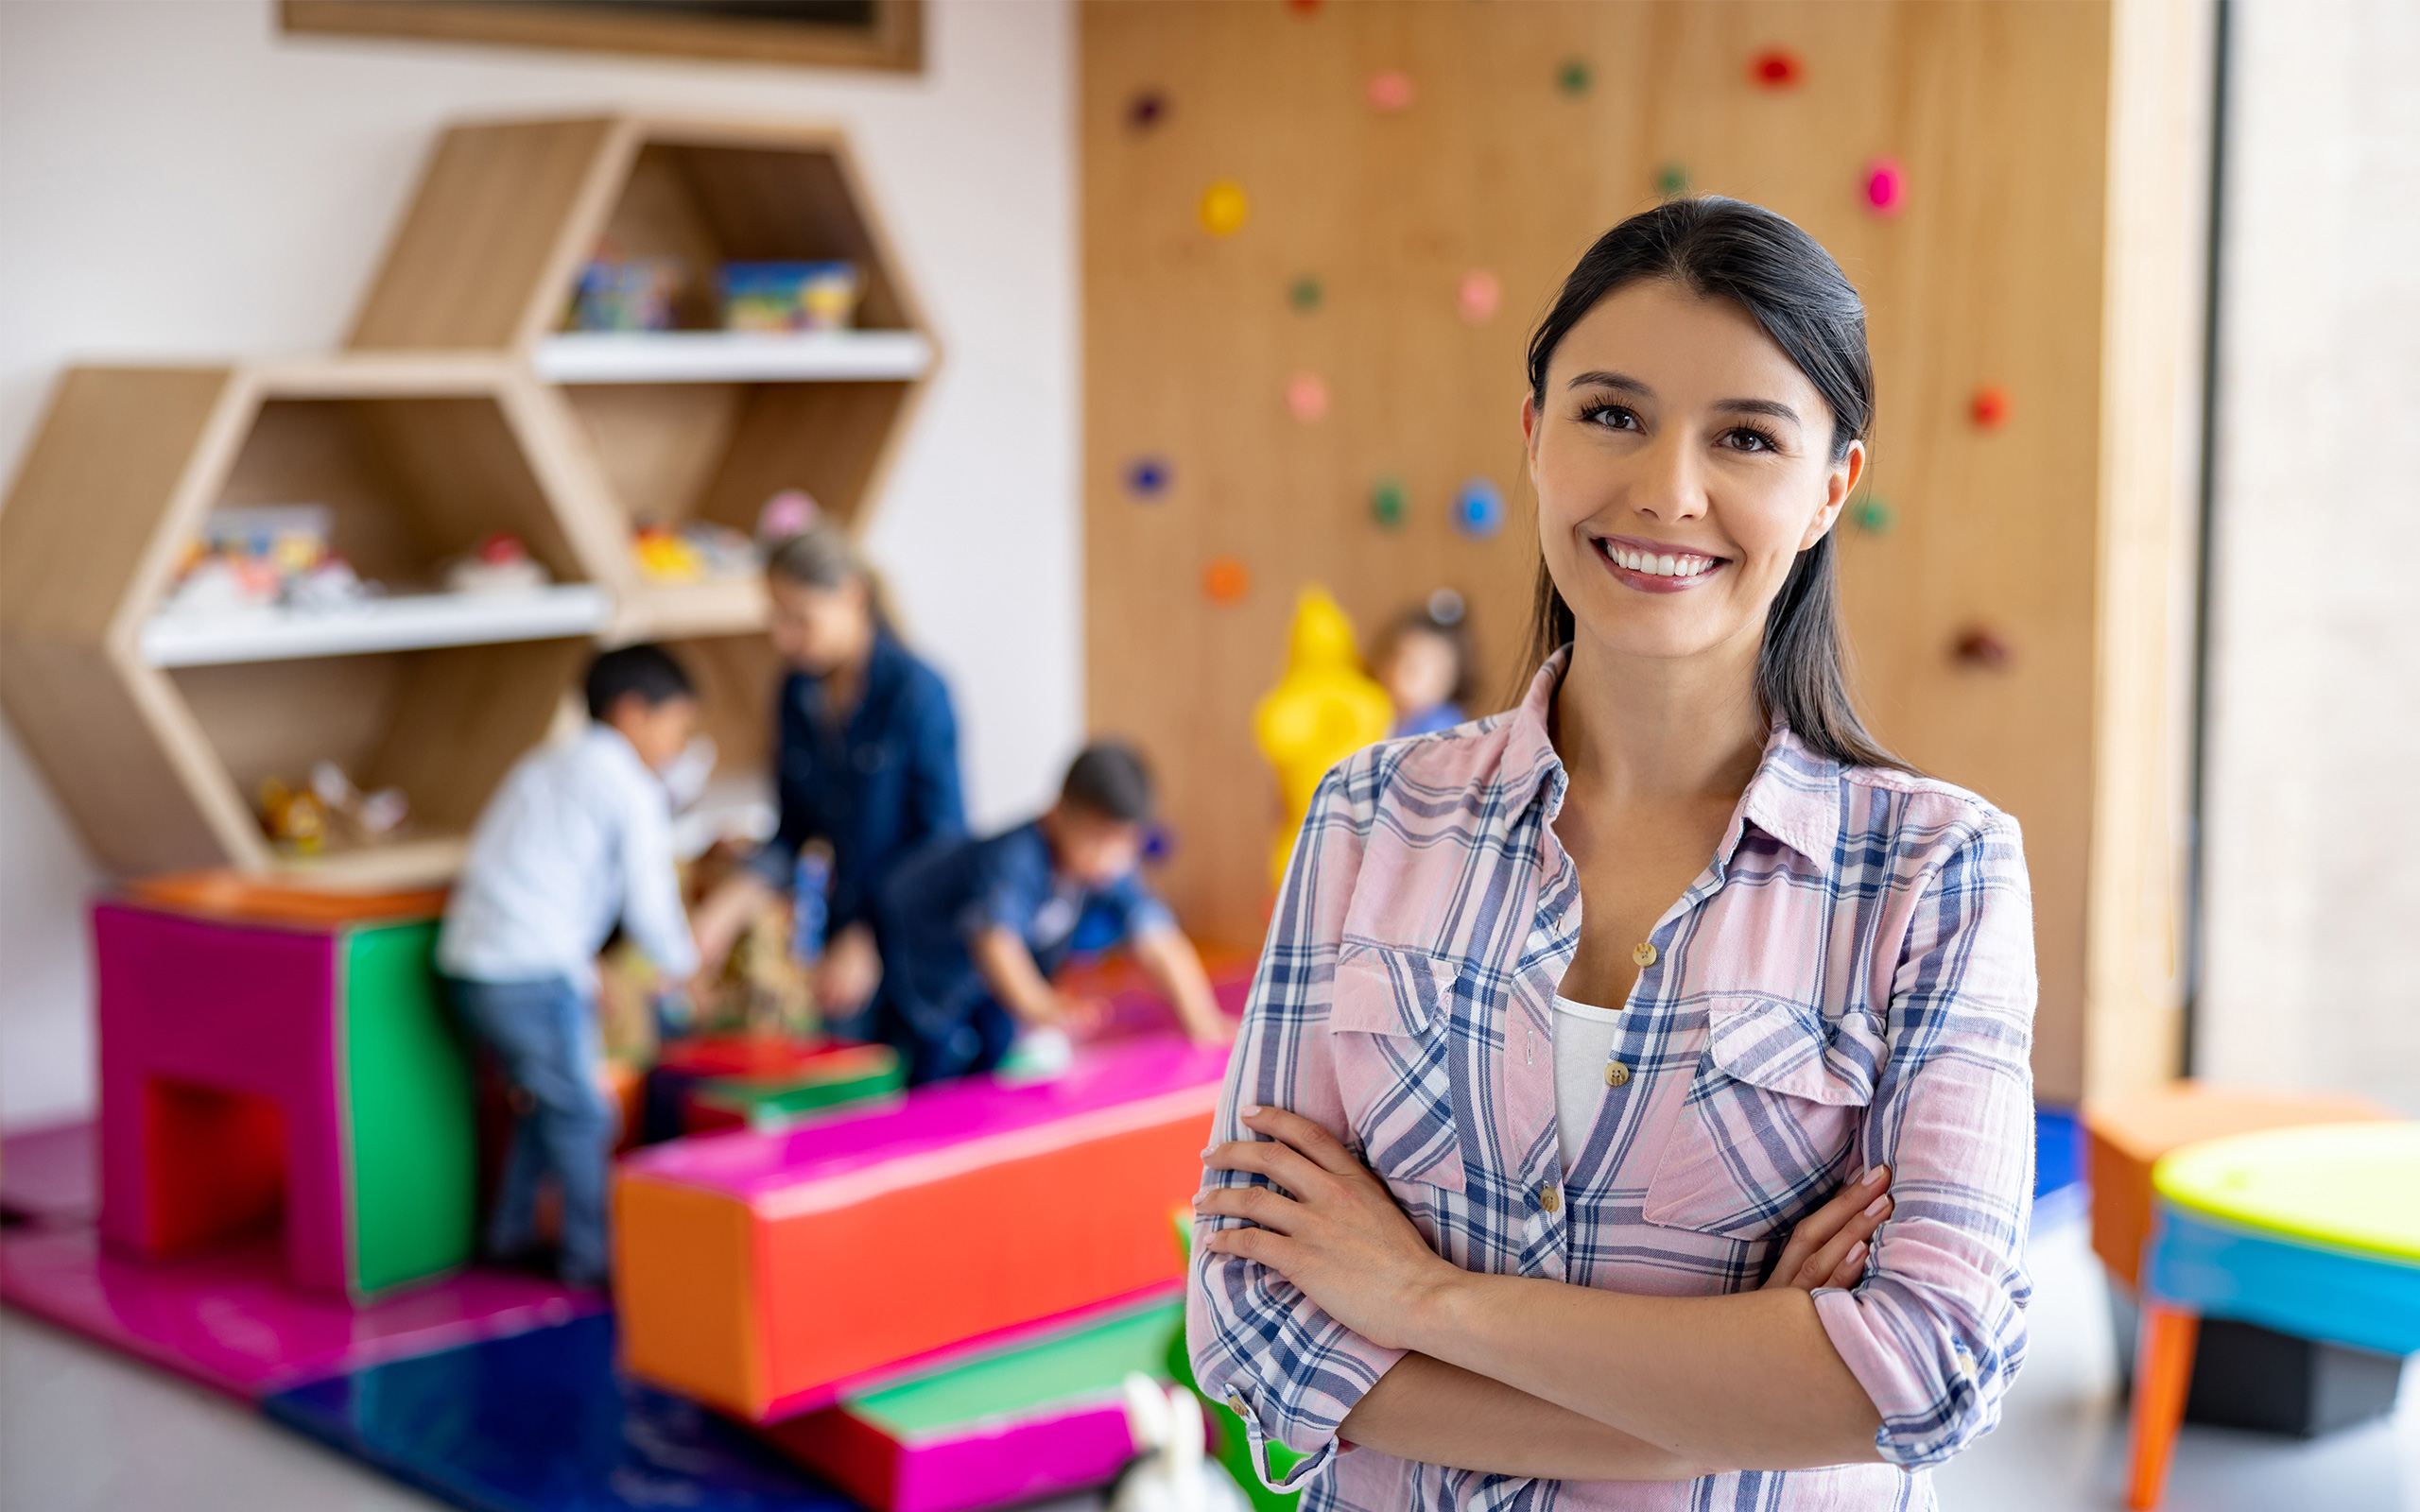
[{"x": 1583, "y": 1042}]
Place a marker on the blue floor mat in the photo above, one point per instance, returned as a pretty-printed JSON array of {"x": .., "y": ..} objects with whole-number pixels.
[{"x": 542, "y": 1421}]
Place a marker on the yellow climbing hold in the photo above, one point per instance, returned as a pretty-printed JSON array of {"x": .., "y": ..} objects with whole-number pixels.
[
  {"x": 1324, "y": 710},
  {"x": 1224, "y": 207}
]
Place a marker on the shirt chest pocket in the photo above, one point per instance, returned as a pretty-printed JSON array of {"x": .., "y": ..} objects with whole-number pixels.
[
  {"x": 1767, "y": 1123},
  {"x": 1399, "y": 1066}
]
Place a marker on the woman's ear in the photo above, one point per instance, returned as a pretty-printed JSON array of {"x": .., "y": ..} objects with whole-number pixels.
[
  {"x": 1529, "y": 435},
  {"x": 1840, "y": 481}
]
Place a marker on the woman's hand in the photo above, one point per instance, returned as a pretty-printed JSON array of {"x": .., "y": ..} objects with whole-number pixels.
[
  {"x": 1828, "y": 1248},
  {"x": 848, "y": 973},
  {"x": 1334, "y": 1231}
]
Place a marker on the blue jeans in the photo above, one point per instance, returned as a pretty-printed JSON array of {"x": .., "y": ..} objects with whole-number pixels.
[{"x": 544, "y": 1035}]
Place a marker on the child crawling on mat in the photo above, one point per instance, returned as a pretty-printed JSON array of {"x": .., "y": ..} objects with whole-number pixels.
[
  {"x": 578, "y": 838},
  {"x": 974, "y": 928}
]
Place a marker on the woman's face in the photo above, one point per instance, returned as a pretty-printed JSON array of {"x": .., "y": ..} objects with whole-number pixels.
[
  {"x": 1682, "y": 462},
  {"x": 817, "y": 630}
]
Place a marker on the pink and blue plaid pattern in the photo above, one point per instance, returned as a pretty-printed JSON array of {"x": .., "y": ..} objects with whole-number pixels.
[{"x": 1850, "y": 981}]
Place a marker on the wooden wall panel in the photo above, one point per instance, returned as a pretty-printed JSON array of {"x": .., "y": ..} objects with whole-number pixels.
[{"x": 1993, "y": 274}]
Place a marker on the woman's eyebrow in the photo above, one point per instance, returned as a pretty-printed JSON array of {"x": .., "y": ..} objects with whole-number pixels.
[
  {"x": 1772, "y": 407},
  {"x": 1620, "y": 382}
]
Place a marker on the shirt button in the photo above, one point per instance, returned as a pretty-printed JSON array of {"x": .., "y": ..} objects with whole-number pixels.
[
  {"x": 1643, "y": 954},
  {"x": 1616, "y": 1074},
  {"x": 1550, "y": 1197}
]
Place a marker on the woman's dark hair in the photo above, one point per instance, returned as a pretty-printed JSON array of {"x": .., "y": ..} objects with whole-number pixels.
[
  {"x": 820, "y": 558},
  {"x": 1721, "y": 249}
]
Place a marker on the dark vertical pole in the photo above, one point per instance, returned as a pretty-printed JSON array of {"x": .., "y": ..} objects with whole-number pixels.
[{"x": 2204, "y": 545}]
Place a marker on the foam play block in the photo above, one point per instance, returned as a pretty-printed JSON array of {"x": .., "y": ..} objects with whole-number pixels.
[
  {"x": 2126, "y": 1135},
  {"x": 301, "y": 1075},
  {"x": 543, "y": 1422},
  {"x": 840, "y": 1075},
  {"x": 230, "y": 1319},
  {"x": 1041, "y": 1418},
  {"x": 682, "y": 1066},
  {"x": 765, "y": 1272},
  {"x": 50, "y": 1175}
]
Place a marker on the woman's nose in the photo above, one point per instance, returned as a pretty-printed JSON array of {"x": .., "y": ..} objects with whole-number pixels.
[{"x": 1668, "y": 486}]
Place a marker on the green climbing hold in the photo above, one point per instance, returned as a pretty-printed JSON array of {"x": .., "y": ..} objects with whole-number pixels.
[
  {"x": 1574, "y": 77},
  {"x": 1872, "y": 514},
  {"x": 1306, "y": 293},
  {"x": 1672, "y": 181},
  {"x": 1388, "y": 503}
]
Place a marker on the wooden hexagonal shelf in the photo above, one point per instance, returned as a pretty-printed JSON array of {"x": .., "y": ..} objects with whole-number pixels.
[
  {"x": 155, "y": 730},
  {"x": 693, "y": 422}
]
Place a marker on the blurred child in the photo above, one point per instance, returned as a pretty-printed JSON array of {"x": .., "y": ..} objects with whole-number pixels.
[
  {"x": 578, "y": 838},
  {"x": 973, "y": 929},
  {"x": 1424, "y": 663}
]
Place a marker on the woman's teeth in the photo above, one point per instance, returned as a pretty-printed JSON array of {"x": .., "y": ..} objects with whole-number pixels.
[{"x": 1666, "y": 565}]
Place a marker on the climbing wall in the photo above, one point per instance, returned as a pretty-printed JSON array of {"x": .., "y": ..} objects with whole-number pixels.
[{"x": 1316, "y": 236}]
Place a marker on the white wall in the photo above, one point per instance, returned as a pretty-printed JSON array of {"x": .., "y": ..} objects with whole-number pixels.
[
  {"x": 177, "y": 178},
  {"x": 2313, "y": 962}
]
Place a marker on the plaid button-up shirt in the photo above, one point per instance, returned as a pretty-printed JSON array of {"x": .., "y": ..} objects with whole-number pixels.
[{"x": 1849, "y": 982}]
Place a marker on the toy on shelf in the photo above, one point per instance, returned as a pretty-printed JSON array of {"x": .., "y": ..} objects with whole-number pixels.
[
  {"x": 766, "y": 1275},
  {"x": 1324, "y": 710},
  {"x": 255, "y": 1070},
  {"x": 782, "y": 298},
  {"x": 305, "y": 820},
  {"x": 627, "y": 294},
  {"x": 2311, "y": 1232},
  {"x": 693, "y": 551},
  {"x": 268, "y": 556},
  {"x": 499, "y": 564},
  {"x": 789, "y": 513},
  {"x": 1044, "y": 1417}
]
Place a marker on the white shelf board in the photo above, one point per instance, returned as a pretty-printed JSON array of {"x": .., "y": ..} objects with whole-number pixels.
[
  {"x": 406, "y": 622},
  {"x": 731, "y": 356}
]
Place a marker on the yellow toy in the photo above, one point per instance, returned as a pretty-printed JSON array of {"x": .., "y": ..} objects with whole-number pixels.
[{"x": 1324, "y": 710}]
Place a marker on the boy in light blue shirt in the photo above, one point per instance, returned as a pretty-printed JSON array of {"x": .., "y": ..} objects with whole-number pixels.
[{"x": 578, "y": 838}]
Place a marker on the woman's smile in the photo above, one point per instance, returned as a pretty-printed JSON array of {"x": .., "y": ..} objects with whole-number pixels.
[{"x": 1657, "y": 566}]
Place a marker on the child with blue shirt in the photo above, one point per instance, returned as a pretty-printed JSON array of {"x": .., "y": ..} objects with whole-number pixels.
[
  {"x": 578, "y": 838},
  {"x": 973, "y": 929}
]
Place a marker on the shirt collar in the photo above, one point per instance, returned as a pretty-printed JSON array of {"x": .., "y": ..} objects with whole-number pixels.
[{"x": 1794, "y": 795}]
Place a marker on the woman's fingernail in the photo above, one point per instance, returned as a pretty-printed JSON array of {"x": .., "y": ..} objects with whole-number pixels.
[
  {"x": 1248, "y": 1111},
  {"x": 1874, "y": 1208},
  {"x": 1874, "y": 1177},
  {"x": 1856, "y": 1254}
]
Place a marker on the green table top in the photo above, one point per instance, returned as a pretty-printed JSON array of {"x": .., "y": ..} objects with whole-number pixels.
[{"x": 2356, "y": 1186}]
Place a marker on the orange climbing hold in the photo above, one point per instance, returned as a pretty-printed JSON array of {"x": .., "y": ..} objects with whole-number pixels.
[{"x": 1226, "y": 581}]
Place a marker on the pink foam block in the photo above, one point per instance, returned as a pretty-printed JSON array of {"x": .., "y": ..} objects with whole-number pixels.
[{"x": 231, "y": 1320}]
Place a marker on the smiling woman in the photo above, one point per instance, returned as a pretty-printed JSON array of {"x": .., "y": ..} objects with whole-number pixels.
[{"x": 1594, "y": 1042}]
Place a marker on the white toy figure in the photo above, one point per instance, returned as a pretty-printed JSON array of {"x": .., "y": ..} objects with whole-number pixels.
[{"x": 1172, "y": 1475}]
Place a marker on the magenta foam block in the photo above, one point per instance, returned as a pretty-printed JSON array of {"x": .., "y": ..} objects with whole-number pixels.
[
  {"x": 231, "y": 1320},
  {"x": 1041, "y": 1418}
]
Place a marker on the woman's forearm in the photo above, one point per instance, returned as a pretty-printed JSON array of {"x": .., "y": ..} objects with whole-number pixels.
[
  {"x": 1426, "y": 1410},
  {"x": 1747, "y": 1380}
]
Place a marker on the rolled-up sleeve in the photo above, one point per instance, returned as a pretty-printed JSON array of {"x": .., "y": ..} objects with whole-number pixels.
[
  {"x": 1258, "y": 1343},
  {"x": 1936, "y": 1332}
]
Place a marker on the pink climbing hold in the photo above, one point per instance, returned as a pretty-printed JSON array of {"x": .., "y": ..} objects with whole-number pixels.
[
  {"x": 1477, "y": 296},
  {"x": 1885, "y": 186},
  {"x": 1391, "y": 91},
  {"x": 1307, "y": 397}
]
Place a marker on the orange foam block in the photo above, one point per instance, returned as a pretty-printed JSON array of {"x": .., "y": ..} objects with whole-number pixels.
[{"x": 763, "y": 1274}]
